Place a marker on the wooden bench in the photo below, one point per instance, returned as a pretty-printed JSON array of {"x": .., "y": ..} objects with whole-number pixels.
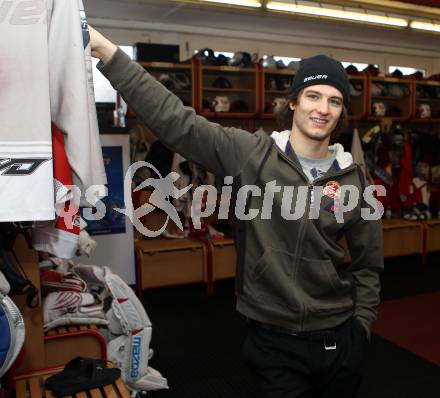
[
  {"x": 432, "y": 235},
  {"x": 169, "y": 262},
  {"x": 64, "y": 343},
  {"x": 402, "y": 238},
  {"x": 224, "y": 259},
  {"x": 31, "y": 385}
]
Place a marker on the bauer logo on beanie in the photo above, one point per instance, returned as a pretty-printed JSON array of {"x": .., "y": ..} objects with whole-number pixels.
[
  {"x": 317, "y": 77},
  {"x": 321, "y": 69}
]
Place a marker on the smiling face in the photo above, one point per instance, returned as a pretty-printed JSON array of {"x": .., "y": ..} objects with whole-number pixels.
[{"x": 317, "y": 112}]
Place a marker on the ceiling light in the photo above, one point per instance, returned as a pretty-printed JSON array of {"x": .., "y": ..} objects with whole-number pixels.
[
  {"x": 244, "y": 3},
  {"x": 432, "y": 27},
  {"x": 337, "y": 13}
]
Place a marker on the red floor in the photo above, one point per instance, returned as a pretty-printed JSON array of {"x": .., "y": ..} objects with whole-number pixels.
[{"x": 412, "y": 323}]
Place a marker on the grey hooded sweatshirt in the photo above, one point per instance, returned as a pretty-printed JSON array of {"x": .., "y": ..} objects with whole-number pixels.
[{"x": 290, "y": 270}]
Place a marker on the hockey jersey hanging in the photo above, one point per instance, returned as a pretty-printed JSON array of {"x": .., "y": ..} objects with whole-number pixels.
[
  {"x": 51, "y": 84},
  {"x": 406, "y": 176}
]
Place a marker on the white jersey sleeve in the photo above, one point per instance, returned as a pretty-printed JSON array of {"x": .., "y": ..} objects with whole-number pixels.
[{"x": 71, "y": 92}]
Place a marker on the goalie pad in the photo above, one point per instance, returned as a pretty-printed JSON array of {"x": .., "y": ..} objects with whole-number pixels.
[
  {"x": 72, "y": 308},
  {"x": 129, "y": 321},
  {"x": 55, "y": 281},
  {"x": 12, "y": 333},
  {"x": 94, "y": 276},
  {"x": 55, "y": 263},
  {"x": 131, "y": 355}
]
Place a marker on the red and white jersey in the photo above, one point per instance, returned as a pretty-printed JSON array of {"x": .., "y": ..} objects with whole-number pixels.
[
  {"x": 61, "y": 236},
  {"x": 43, "y": 78}
]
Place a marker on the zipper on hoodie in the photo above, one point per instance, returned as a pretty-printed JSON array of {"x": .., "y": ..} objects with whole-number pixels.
[
  {"x": 305, "y": 219},
  {"x": 311, "y": 185},
  {"x": 301, "y": 234}
]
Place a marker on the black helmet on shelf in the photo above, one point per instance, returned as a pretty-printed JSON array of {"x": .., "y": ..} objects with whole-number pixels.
[
  {"x": 417, "y": 75},
  {"x": 268, "y": 61},
  {"x": 167, "y": 81},
  {"x": 241, "y": 58},
  {"x": 293, "y": 65},
  {"x": 280, "y": 64},
  {"x": 182, "y": 80},
  {"x": 397, "y": 73},
  {"x": 396, "y": 90},
  {"x": 221, "y": 82},
  {"x": 356, "y": 89},
  {"x": 206, "y": 56},
  {"x": 371, "y": 70},
  {"x": 378, "y": 89},
  {"x": 221, "y": 60},
  {"x": 352, "y": 70}
]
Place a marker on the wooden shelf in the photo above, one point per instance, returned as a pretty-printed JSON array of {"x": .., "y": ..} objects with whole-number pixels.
[
  {"x": 388, "y": 97},
  {"x": 271, "y": 71},
  {"x": 256, "y": 78},
  {"x": 164, "y": 65},
  {"x": 428, "y": 83},
  {"x": 228, "y": 69},
  {"x": 393, "y": 118},
  {"x": 391, "y": 80},
  {"x": 428, "y": 99},
  {"x": 356, "y": 117},
  {"x": 229, "y": 90},
  {"x": 281, "y": 92},
  {"x": 425, "y": 121}
]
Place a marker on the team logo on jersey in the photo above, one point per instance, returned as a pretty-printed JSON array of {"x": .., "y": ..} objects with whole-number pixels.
[
  {"x": 332, "y": 189},
  {"x": 20, "y": 167}
]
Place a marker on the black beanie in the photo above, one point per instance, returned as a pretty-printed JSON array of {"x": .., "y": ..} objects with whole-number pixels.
[{"x": 321, "y": 69}]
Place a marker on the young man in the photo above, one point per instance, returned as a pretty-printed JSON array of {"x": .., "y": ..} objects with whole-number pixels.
[{"x": 309, "y": 317}]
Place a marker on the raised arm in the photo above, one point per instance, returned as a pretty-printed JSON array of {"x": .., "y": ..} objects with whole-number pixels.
[{"x": 224, "y": 151}]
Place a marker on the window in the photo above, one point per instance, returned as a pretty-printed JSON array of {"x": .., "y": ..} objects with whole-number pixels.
[
  {"x": 104, "y": 92},
  {"x": 406, "y": 70},
  {"x": 286, "y": 60},
  {"x": 226, "y": 54},
  {"x": 217, "y": 53}
]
